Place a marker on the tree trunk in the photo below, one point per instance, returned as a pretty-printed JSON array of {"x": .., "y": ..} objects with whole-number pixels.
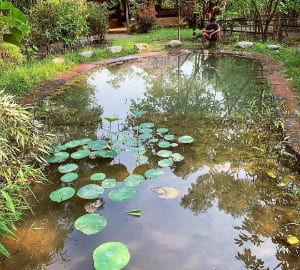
[{"x": 127, "y": 14}]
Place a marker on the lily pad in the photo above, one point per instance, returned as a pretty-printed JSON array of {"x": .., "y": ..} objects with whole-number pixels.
[
  {"x": 162, "y": 130},
  {"x": 73, "y": 144},
  {"x": 60, "y": 148},
  {"x": 164, "y": 153},
  {"x": 122, "y": 193},
  {"x": 109, "y": 183},
  {"x": 97, "y": 145},
  {"x": 174, "y": 144},
  {"x": 145, "y": 136},
  {"x": 136, "y": 212},
  {"x": 141, "y": 159},
  {"x": 154, "y": 140},
  {"x": 146, "y": 125},
  {"x": 138, "y": 113},
  {"x": 145, "y": 130},
  {"x": 69, "y": 177},
  {"x": 57, "y": 157},
  {"x": 111, "y": 256},
  {"x": 165, "y": 162},
  {"x": 98, "y": 176},
  {"x": 62, "y": 194},
  {"x": 106, "y": 154},
  {"x": 133, "y": 180},
  {"x": 164, "y": 144},
  {"x": 185, "y": 139},
  {"x": 292, "y": 240},
  {"x": 177, "y": 157},
  {"x": 169, "y": 137},
  {"x": 91, "y": 191},
  {"x": 85, "y": 141},
  {"x": 80, "y": 154},
  {"x": 154, "y": 174},
  {"x": 138, "y": 150},
  {"x": 67, "y": 168},
  {"x": 90, "y": 223}
]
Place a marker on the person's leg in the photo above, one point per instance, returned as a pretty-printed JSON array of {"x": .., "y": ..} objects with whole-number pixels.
[
  {"x": 204, "y": 36},
  {"x": 218, "y": 40}
]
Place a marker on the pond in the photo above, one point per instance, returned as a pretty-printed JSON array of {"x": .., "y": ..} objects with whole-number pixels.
[{"x": 224, "y": 203}]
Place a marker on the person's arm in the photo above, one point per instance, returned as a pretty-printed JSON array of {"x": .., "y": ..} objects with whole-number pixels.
[{"x": 215, "y": 32}]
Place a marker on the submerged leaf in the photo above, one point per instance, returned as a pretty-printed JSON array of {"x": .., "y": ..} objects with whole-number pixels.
[
  {"x": 67, "y": 168},
  {"x": 90, "y": 223},
  {"x": 62, "y": 194}
]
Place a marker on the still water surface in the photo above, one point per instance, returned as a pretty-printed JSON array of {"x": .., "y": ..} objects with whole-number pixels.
[{"x": 228, "y": 214}]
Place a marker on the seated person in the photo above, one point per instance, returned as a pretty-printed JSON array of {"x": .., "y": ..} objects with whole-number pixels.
[{"x": 211, "y": 32}]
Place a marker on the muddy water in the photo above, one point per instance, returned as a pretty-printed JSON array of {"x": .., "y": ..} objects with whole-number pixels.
[{"x": 229, "y": 213}]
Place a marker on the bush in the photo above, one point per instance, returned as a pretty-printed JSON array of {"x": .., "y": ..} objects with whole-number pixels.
[
  {"x": 10, "y": 55},
  {"x": 145, "y": 18},
  {"x": 188, "y": 14},
  {"x": 97, "y": 19},
  {"x": 54, "y": 21}
]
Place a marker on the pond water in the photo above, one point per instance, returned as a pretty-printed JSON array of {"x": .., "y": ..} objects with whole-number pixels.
[{"x": 229, "y": 213}]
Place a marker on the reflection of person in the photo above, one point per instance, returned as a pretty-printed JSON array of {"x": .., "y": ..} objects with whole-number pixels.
[
  {"x": 211, "y": 32},
  {"x": 210, "y": 66}
]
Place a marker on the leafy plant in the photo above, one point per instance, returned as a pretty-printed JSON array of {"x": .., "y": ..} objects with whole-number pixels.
[{"x": 145, "y": 18}]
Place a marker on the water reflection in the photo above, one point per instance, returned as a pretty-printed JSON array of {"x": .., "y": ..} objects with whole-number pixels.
[{"x": 228, "y": 215}]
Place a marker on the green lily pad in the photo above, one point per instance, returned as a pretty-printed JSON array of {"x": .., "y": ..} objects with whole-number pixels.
[
  {"x": 169, "y": 137},
  {"x": 80, "y": 154},
  {"x": 164, "y": 144},
  {"x": 174, "y": 144},
  {"x": 106, "y": 154},
  {"x": 62, "y": 194},
  {"x": 122, "y": 193},
  {"x": 145, "y": 136},
  {"x": 136, "y": 212},
  {"x": 165, "y": 162},
  {"x": 162, "y": 130},
  {"x": 138, "y": 150},
  {"x": 164, "y": 153},
  {"x": 67, "y": 168},
  {"x": 154, "y": 174},
  {"x": 73, "y": 144},
  {"x": 60, "y": 148},
  {"x": 141, "y": 159},
  {"x": 91, "y": 191},
  {"x": 145, "y": 130},
  {"x": 138, "y": 113},
  {"x": 185, "y": 139},
  {"x": 133, "y": 180},
  {"x": 109, "y": 183},
  {"x": 57, "y": 157},
  {"x": 98, "y": 176},
  {"x": 146, "y": 125},
  {"x": 90, "y": 223},
  {"x": 69, "y": 177},
  {"x": 154, "y": 140},
  {"x": 177, "y": 157},
  {"x": 111, "y": 256},
  {"x": 85, "y": 141},
  {"x": 97, "y": 145}
]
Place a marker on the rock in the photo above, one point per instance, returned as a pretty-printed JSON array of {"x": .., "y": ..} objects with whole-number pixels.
[
  {"x": 115, "y": 49},
  {"x": 141, "y": 46},
  {"x": 87, "y": 54},
  {"x": 58, "y": 60},
  {"x": 174, "y": 43},
  {"x": 273, "y": 47},
  {"x": 298, "y": 52},
  {"x": 245, "y": 44}
]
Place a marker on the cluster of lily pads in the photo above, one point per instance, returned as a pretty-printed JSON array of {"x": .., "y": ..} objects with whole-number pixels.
[{"x": 112, "y": 255}]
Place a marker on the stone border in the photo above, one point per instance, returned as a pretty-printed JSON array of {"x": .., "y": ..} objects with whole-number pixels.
[{"x": 282, "y": 90}]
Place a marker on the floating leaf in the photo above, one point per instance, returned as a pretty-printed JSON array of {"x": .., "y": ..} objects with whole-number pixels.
[
  {"x": 67, "y": 168},
  {"x": 91, "y": 191},
  {"x": 145, "y": 136},
  {"x": 164, "y": 144},
  {"x": 162, "y": 130},
  {"x": 122, "y": 193},
  {"x": 111, "y": 256},
  {"x": 80, "y": 154},
  {"x": 145, "y": 130},
  {"x": 169, "y": 137},
  {"x": 106, "y": 154},
  {"x": 133, "y": 180},
  {"x": 165, "y": 162},
  {"x": 62, "y": 194},
  {"x": 73, "y": 144},
  {"x": 109, "y": 183},
  {"x": 154, "y": 174},
  {"x": 85, "y": 141},
  {"x": 90, "y": 223},
  {"x": 146, "y": 125},
  {"x": 57, "y": 157},
  {"x": 60, "y": 148},
  {"x": 166, "y": 192},
  {"x": 98, "y": 176},
  {"x": 174, "y": 144},
  {"x": 141, "y": 159},
  {"x": 136, "y": 212},
  {"x": 185, "y": 139},
  {"x": 97, "y": 145},
  {"x": 292, "y": 240},
  {"x": 154, "y": 140},
  {"x": 138, "y": 150},
  {"x": 138, "y": 113},
  {"x": 271, "y": 175},
  {"x": 164, "y": 153},
  {"x": 69, "y": 177},
  {"x": 177, "y": 157}
]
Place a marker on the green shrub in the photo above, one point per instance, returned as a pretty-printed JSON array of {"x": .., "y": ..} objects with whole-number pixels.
[
  {"x": 145, "y": 18},
  {"x": 54, "y": 21},
  {"x": 9, "y": 55},
  {"x": 97, "y": 19}
]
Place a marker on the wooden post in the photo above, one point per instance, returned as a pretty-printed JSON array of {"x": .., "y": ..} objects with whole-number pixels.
[{"x": 178, "y": 5}]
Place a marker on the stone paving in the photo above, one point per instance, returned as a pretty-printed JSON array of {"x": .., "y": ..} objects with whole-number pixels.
[{"x": 283, "y": 92}]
